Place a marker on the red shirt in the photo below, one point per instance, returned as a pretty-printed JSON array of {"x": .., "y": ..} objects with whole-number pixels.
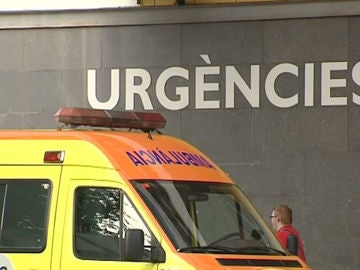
[{"x": 283, "y": 234}]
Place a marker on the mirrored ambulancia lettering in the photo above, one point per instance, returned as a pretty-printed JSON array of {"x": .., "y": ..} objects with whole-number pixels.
[{"x": 159, "y": 157}]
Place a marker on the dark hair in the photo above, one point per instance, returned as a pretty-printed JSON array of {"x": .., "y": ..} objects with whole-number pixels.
[{"x": 284, "y": 213}]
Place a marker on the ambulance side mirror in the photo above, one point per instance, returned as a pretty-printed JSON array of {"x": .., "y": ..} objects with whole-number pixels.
[
  {"x": 292, "y": 244},
  {"x": 135, "y": 249},
  {"x": 134, "y": 245}
]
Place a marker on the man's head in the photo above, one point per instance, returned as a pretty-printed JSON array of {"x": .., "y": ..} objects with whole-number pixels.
[{"x": 280, "y": 216}]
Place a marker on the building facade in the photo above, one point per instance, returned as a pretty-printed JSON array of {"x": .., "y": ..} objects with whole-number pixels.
[{"x": 270, "y": 92}]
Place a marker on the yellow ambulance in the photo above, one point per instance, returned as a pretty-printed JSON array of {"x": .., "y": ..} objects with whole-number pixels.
[{"x": 107, "y": 191}]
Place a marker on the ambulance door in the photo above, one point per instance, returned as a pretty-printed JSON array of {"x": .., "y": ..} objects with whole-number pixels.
[
  {"x": 99, "y": 218},
  {"x": 27, "y": 203}
]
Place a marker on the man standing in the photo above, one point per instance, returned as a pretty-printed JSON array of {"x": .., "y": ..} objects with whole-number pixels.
[{"x": 281, "y": 220}]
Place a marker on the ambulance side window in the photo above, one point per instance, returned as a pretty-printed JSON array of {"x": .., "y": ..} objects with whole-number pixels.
[
  {"x": 102, "y": 218},
  {"x": 24, "y": 207}
]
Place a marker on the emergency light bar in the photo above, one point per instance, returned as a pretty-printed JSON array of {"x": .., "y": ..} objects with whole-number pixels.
[{"x": 112, "y": 119}]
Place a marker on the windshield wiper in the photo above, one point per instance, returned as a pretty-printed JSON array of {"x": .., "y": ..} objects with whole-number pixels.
[
  {"x": 260, "y": 251},
  {"x": 207, "y": 249}
]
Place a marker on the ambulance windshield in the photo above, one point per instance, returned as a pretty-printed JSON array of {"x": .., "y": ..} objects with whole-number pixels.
[{"x": 207, "y": 217}]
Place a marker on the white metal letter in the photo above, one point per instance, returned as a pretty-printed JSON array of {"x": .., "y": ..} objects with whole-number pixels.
[
  {"x": 251, "y": 93},
  {"x": 270, "y": 91},
  {"x": 327, "y": 83},
  {"x": 133, "y": 89},
  {"x": 91, "y": 89},
  {"x": 356, "y": 79},
  {"x": 202, "y": 87},
  {"x": 182, "y": 92},
  {"x": 309, "y": 85}
]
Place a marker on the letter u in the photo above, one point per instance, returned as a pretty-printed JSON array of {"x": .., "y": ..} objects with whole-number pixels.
[{"x": 114, "y": 95}]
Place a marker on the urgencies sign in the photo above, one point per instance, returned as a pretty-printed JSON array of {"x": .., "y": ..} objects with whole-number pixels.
[{"x": 138, "y": 81}]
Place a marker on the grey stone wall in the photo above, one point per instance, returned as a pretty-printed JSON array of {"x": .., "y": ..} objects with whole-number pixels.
[{"x": 306, "y": 157}]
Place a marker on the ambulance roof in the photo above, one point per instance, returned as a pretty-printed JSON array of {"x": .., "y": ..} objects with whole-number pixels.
[{"x": 136, "y": 155}]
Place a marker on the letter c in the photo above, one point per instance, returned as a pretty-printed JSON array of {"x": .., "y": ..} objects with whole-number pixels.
[{"x": 270, "y": 90}]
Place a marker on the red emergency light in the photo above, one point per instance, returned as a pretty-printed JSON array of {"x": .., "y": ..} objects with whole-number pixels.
[
  {"x": 113, "y": 119},
  {"x": 54, "y": 156}
]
